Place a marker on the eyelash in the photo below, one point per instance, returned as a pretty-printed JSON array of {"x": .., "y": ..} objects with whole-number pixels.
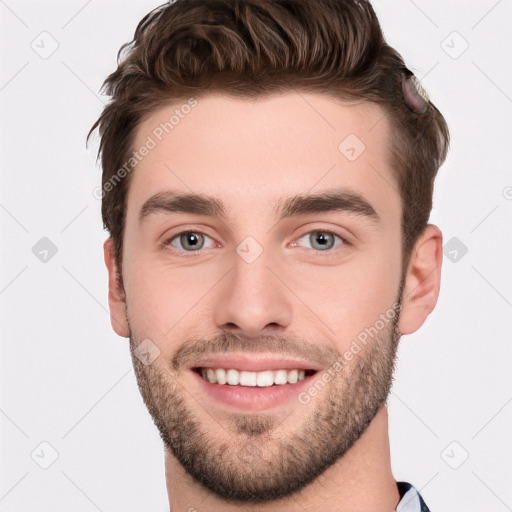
[{"x": 183, "y": 253}]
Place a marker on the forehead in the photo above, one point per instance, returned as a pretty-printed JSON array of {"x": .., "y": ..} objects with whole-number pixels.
[{"x": 263, "y": 149}]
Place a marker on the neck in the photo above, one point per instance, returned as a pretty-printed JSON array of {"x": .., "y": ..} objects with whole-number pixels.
[{"x": 361, "y": 481}]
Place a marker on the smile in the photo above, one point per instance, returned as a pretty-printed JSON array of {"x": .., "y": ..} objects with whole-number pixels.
[{"x": 266, "y": 378}]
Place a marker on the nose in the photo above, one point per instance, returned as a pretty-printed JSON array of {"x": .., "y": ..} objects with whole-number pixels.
[{"x": 253, "y": 300}]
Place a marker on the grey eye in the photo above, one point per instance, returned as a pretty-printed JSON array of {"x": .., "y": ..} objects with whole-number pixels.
[
  {"x": 322, "y": 240},
  {"x": 189, "y": 241}
]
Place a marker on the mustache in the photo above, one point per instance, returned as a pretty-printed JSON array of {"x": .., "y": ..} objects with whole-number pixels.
[{"x": 280, "y": 345}]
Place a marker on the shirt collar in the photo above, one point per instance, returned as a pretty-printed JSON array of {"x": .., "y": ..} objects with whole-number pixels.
[{"x": 411, "y": 499}]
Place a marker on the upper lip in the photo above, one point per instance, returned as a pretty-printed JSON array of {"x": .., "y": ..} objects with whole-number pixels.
[{"x": 251, "y": 362}]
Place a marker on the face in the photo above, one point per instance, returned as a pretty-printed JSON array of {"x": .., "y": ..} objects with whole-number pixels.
[{"x": 263, "y": 316}]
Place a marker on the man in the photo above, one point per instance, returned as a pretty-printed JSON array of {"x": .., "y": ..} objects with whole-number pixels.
[{"x": 294, "y": 151}]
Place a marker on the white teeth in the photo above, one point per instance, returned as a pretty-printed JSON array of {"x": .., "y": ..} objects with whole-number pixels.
[
  {"x": 233, "y": 377},
  {"x": 293, "y": 376},
  {"x": 210, "y": 374},
  {"x": 264, "y": 379},
  {"x": 248, "y": 378},
  {"x": 281, "y": 377},
  {"x": 221, "y": 376},
  {"x": 252, "y": 379}
]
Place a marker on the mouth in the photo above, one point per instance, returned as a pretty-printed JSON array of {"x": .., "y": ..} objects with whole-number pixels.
[
  {"x": 244, "y": 382},
  {"x": 247, "y": 378}
]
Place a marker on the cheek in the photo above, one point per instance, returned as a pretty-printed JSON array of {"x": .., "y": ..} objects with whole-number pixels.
[
  {"x": 352, "y": 297},
  {"x": 162, "y": 299}
]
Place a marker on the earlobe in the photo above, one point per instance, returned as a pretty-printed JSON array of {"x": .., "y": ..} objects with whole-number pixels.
[
  {"x": 422, "y": 280},
  {"x": 116, "y": 293}
]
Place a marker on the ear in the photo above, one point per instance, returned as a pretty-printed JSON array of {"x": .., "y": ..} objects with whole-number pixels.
[
  {"x": 116, "y": 294},
  {"x": 422, "y": 280}
]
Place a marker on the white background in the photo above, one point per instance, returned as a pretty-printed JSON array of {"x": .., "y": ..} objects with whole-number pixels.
[{"x": 66, "y": 377}]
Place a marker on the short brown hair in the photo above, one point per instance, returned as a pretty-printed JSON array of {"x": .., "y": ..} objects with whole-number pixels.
[{"x": 251, "y": 48}]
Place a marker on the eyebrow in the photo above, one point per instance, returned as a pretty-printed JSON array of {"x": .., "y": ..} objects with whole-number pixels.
[{"x": 323, "y": 202}]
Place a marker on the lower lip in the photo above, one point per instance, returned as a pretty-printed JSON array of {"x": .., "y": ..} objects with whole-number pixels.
[{"x": 250, "y": 398}]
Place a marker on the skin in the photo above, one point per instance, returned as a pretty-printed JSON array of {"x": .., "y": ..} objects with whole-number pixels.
[{"x": 250, "y": 154}]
